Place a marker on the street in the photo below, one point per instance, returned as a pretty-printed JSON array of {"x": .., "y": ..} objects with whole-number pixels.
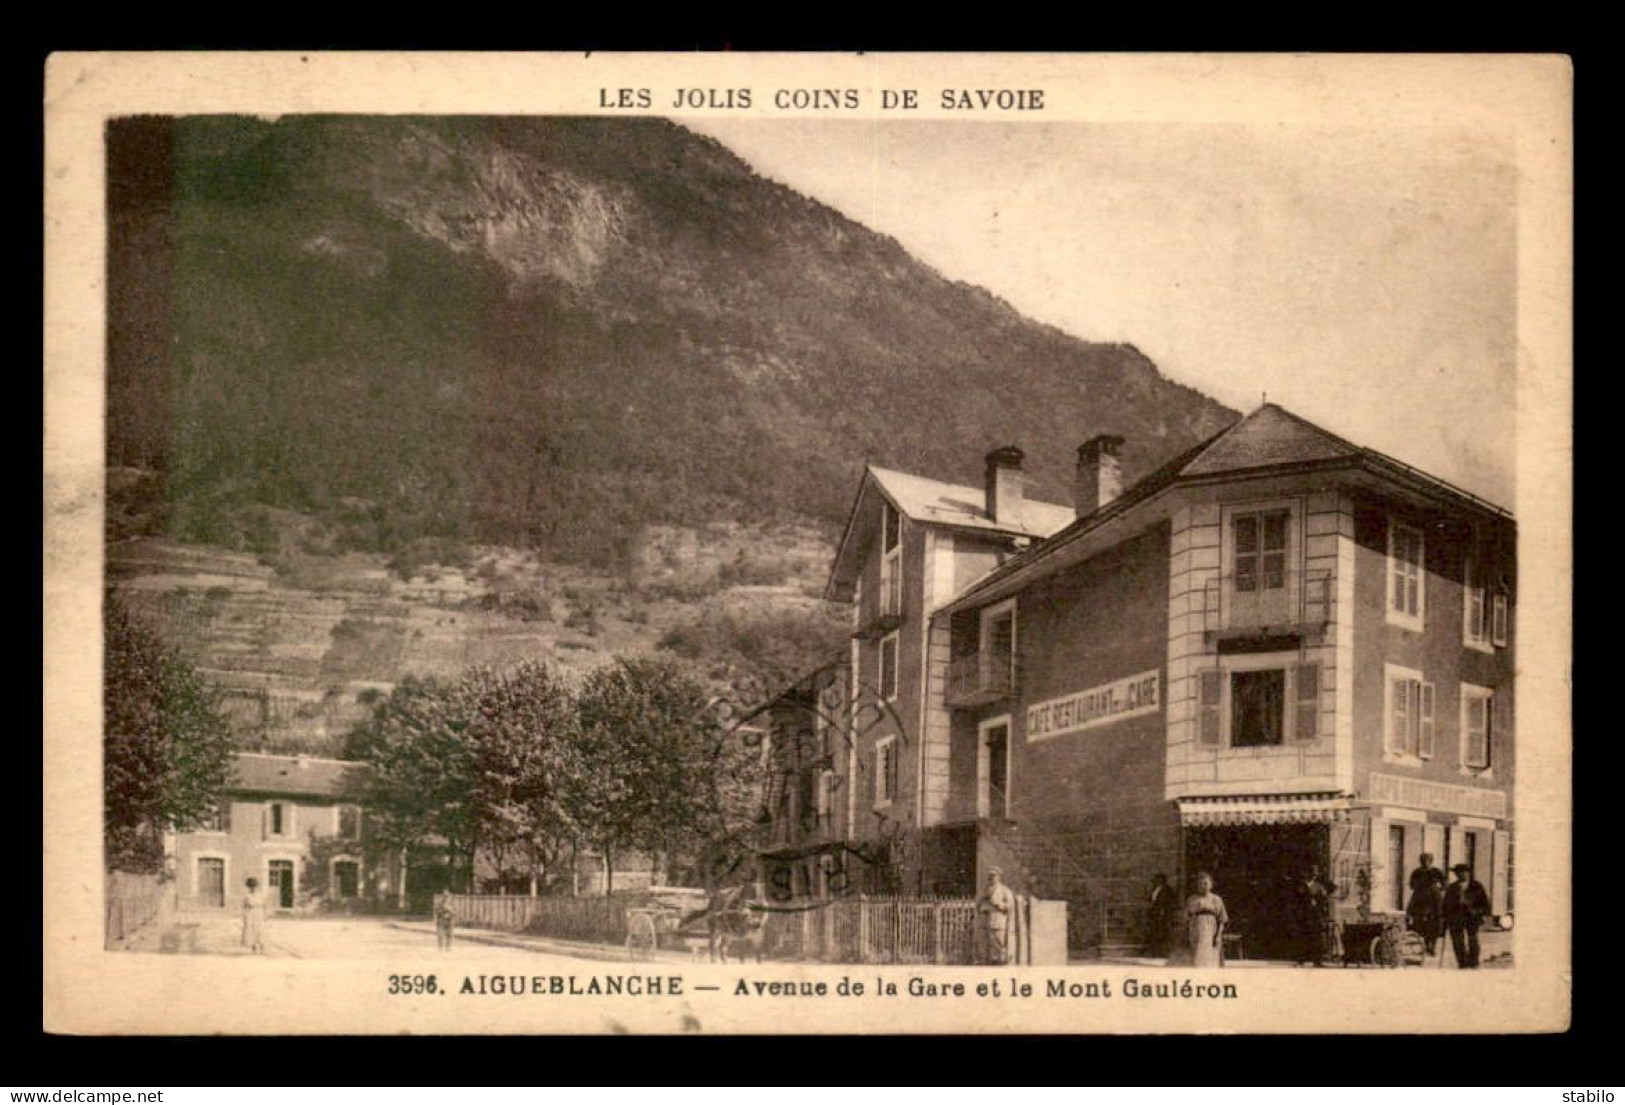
[{"x": 353, "y": 938}]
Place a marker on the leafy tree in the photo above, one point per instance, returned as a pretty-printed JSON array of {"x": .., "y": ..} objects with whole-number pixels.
[
  {"x": 531, "y": 777},
  {"x": 167, "y": 747},
  {"x": 420, "y": 768},
  {"x": 668, "y": 778}
]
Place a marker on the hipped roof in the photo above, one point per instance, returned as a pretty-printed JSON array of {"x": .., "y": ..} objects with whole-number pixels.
[
  {"x": 297, "y": 776},
  {"x": 1268, "y": 441}
]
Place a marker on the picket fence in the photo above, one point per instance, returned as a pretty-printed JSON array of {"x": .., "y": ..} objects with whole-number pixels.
[
  {"x": 844, "y": 930},
  {"x": 599, "y": 919},
  {"x": 874, "y": 930}
]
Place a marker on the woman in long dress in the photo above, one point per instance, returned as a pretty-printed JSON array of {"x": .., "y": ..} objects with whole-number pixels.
[
  {"x": 254, "y": 917},
  {"x": 1205, "y": 919}
]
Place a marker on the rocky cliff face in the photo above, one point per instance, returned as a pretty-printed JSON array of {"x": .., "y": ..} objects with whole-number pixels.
[{"x": 549, "y": 332}]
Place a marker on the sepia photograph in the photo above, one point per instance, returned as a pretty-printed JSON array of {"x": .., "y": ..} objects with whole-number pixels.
[{"x": 643, "y": 538}]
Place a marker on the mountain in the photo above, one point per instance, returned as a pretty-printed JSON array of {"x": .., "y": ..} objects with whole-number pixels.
[{"x": 550, "y": 333}]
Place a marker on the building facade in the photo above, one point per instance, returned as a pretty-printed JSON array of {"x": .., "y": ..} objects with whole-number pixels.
[
  {"x": 285, "y": 821},
  {"x": 910, "y": 545},
  {"x": 1279, "y": 652}
]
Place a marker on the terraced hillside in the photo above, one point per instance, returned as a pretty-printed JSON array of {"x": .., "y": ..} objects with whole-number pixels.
[{"x": 301, "y": 646}]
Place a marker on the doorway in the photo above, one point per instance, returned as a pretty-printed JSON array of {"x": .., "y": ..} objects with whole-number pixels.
[
  {"x": 279, "y": 873},
  {"x": 993, "y": 770},
  {"x": 1256, "y": 870},
  {"x": 211, "y": 882}
]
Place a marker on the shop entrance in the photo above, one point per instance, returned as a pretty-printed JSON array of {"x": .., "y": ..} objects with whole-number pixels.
[{"x": 1256, "y": 870}]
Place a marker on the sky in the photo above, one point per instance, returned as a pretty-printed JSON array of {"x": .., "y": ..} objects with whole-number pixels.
[{"x": 1364, "y": 278}]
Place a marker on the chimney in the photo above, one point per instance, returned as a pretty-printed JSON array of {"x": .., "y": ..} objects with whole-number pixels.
[
  {"x": 1005, "y": 483},
  {"x": 1100, "y": 474}
]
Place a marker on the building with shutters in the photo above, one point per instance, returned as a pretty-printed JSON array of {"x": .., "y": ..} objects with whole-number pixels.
[
  {"x": 285, "y": 821},
  {"x": 1280, "y": 651}
]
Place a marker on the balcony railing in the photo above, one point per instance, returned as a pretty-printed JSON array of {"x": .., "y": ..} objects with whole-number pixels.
[
  {"x": 980, "y": 678},
  {"x": 1298, "y": 603}
]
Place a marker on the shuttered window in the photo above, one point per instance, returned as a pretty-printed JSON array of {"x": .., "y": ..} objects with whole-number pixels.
[
  {"x": 1477, "y": 722},
  {"x": 1409, "y": 727},
  {"x": 1475, "y": 628},
  {"x": 1405, "y": 584},
  {"x": 1307, "y": 727}
]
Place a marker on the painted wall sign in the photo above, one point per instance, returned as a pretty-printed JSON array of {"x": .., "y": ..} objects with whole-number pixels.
[
  {"x": 1124, "y": 698},
  {"x": 1445, "y": 797}
]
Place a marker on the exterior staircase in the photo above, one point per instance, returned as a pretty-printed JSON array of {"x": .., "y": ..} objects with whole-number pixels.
[{"x": 1041, "y": 865}]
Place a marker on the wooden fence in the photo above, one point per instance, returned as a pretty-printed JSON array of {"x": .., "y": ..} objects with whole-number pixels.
[
  {"x": 593, "y": 919},
  {"x": 133, "y": 902},
  {"x": 843, "y": 930}
]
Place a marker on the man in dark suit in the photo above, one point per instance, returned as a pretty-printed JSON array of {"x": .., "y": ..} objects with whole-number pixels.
[
  {"x": 1465, "y": 906},
  {"x": 1162, "y": 906}
]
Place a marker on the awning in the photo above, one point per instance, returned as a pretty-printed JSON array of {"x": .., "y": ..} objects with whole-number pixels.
[{"x": 1265, "y": 809}]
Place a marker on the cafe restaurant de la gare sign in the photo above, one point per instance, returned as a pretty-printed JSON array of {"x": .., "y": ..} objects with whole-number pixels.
[{"x": 1129, "y": 697}]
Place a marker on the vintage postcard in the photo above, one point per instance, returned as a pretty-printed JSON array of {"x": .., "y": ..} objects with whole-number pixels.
[{"x": 734, "y": 543}]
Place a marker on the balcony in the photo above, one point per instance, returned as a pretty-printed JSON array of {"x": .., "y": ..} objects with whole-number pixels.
[
  {"x": 1296, "y": 604},
  {"x": 980, "y": 678}
]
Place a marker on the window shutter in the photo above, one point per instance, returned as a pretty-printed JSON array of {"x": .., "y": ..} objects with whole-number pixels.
[
  {"x": 1499, "y": 619},
  {"x": 1458, "y": 847},
  {"x": 1308, "y": 687},
  {"x": 1476, "y": 722},
  {"x": 1433, "y": 843},
  {"x": 1424, "y": 746},
  {"x": 1212, "y": 693},
  {"x": 1382, "y": 879},
  {"x": 1502, "y": 846}
]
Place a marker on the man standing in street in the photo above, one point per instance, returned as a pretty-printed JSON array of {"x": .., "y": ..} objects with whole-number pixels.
[
  {"x": 1161, "y": 908},
  {"x": 1466, "y": 904},
  {"x": 998, "y": 909}
]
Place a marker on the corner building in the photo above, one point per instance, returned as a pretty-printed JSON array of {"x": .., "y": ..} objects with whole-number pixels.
[{"x": 1280, "y": 651}]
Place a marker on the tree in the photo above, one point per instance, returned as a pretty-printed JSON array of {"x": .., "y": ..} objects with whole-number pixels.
[
  {"x": 491, "y": 765},
  {"x": 166, "y": 745},
  {"x": 418, "y": 781},
  {"x": 668, "y": 779},
  {"x": 531, "y": 780}
]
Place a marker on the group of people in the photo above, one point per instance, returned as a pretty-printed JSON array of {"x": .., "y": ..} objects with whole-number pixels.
[
  {"x": 1458, "y": 908},
  {"x": 1192, "y": 932}
]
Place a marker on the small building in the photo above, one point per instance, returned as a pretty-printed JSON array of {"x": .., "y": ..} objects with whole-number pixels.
[
  {"x": 286, "y": 821},
  {"x": 1278, "y": 652}
]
